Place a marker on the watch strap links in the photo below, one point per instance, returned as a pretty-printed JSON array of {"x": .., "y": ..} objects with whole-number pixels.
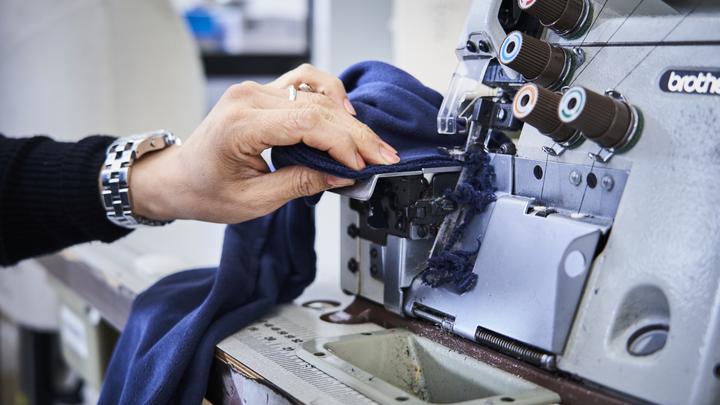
[{"x": 115, "y": 175}]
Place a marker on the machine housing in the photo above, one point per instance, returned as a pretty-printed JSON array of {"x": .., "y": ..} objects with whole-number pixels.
[{"x": 594, "y": 263}]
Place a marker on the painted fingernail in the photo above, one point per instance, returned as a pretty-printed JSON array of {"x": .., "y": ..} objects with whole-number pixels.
[
  {"x": 349, "y": 107},
  {"x": 360, "y": 161},
  {"x": 334, "y": 181},
  {"x": 389, "y": 155}
]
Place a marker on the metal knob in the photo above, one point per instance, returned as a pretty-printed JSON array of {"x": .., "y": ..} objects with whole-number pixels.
[
  {"x": 566, "y": 17},
  {"x": 538, "y": 61},
  {"x": 608, "y": 121},
  {"x": 538, "y": 107}
]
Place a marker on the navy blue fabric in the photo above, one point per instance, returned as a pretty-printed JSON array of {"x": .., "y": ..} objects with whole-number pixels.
[
  {"x": 166, "y": 349},
  {"x": 400, "y": 109},
  {"x": 454, "y": 264}
]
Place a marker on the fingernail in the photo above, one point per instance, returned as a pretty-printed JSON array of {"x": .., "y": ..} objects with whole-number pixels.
[
  {"x": 335, "y": 181},
  {"x": 360, "y": 161},
  {"x": 390, "y": 147},
  {"x": 349, "y": 107},
  {"x": 388, "y": 155}
]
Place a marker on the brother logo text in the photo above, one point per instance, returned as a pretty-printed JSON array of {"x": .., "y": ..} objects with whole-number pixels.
[{"x": 691, "y": 82}]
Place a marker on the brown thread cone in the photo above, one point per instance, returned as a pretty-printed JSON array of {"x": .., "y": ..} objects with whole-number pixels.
[
  {"x": 538, "y": 106},
  {"x": 602, "y": 118},
  {"x": 560, "y": 15},
  {"x": 547, "y": 11},
  {"x": 536, "y": 60},
  {"x": 570, "y": 17},
  {"x": 532, "y": 57}
]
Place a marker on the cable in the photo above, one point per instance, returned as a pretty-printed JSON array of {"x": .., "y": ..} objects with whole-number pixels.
[
  {"x": 656, "y": 46},
  {"x": 582, "y": 199},
  {"x": 608, "y": 40},
  {"x": 542, "y": 188},
  {"x": 592, "y": 24}
]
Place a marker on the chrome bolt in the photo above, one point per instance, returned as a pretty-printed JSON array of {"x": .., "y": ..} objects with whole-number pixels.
[
  {"x": 607, "y": 182},
  {"x": 500, "y": 114},
  {"x": 575, "y": 178},
  {"x": 579, "y": 56}
]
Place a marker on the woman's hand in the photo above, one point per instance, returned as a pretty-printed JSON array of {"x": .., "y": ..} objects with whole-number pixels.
[{"x": 218, "y": 174}]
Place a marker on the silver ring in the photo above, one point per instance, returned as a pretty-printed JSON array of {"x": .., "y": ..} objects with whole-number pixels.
[
  {"x": 292, "y": 93},
  {"x": 306, "y": 88}
]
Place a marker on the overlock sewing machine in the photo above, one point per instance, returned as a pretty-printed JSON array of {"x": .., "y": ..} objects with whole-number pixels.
[
  {"x": 592, "y": 275},
  {"x": 598, "y": 258}
]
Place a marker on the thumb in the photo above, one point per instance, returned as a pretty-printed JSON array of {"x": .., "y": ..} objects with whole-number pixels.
[{"x": 293, "y": 182}]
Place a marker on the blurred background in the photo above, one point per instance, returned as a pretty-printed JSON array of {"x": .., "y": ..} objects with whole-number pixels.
[{"x": 73, "y": 68}]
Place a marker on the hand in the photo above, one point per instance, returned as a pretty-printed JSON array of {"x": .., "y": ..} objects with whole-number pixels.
[{"x": 218, "y": 174}]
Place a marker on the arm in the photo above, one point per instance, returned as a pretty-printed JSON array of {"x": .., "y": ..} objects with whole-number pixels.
[
  {"x": 49, "y": 191},
  {"x": 49, "y": 197}
]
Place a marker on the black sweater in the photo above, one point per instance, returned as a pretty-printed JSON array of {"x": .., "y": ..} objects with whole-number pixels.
[{"x": 49, "y": 196}]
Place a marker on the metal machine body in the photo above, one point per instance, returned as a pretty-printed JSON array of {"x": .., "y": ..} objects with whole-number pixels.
[{"x": 598, "y": 261}]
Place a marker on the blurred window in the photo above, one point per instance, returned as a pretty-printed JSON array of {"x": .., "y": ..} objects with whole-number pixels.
[{"x": 249, "y": 37}]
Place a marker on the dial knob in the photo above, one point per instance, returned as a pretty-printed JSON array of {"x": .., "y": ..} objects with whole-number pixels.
[
  {"x": 538, "y": 107},
  {"x": 566, "y": 17},
  {"x": 607, "y": 121},
  {"x": 537, "y": 60}
]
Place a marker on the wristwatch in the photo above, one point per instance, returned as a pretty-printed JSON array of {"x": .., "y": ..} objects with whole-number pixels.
[{"x": 115, "y": 175}]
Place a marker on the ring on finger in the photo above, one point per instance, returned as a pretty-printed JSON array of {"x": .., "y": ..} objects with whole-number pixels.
[
  {"x": 305, "y": 87},
  {"x": 292, "y": 93}
]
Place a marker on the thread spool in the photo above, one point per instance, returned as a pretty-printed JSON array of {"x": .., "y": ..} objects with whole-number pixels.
[
  {"x": 537, "y": 60},
  {"x": 566, "y": 17},
  {"x": 605, "y": 120},
  {"x": 538, "y": 107}
]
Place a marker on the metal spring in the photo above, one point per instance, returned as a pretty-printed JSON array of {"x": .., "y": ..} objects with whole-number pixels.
[{"x": 503, "y": 344}]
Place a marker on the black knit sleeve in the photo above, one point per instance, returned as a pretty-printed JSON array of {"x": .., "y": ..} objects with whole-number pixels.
[{"x": 49, "y": 196}]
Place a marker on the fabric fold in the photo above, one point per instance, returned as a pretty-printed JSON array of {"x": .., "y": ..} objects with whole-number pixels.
[
  {"x": 166, "y": 349},
  {"x": 400, "y": 109}
]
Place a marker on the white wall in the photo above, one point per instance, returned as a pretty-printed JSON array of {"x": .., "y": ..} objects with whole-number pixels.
[
  {"x": 348, "y": 31},
  {"x": 424, "y": 35},
  {"x": 74, "y": 68}
]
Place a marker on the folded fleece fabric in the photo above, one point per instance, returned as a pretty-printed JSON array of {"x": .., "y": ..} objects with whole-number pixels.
[
  {"x": 400, "y": 109},
  {"x": 166, "y": 349}
]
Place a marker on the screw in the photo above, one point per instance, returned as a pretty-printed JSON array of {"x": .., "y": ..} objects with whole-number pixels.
[
  {"x": 508, "y": 148},
  {"x": 500, "y": 114},
  {"x": 422, "y": 231},
  {"x": 579, "y": 56},
  {"x": 353, "y": 231},
  {"x": 607, "y": 182},
  {"x": 373, "y": 253},
  {"x": 352, "y": 265},
  {"x": 374, "y": 270},
  {"x": 483, "y": 46},
  {"x": 575, "y": 178},
  {"x": 470, "y": 46}
]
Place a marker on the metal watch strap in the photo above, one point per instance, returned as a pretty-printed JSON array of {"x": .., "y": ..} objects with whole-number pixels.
[{"x": 115, "y": 175}]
